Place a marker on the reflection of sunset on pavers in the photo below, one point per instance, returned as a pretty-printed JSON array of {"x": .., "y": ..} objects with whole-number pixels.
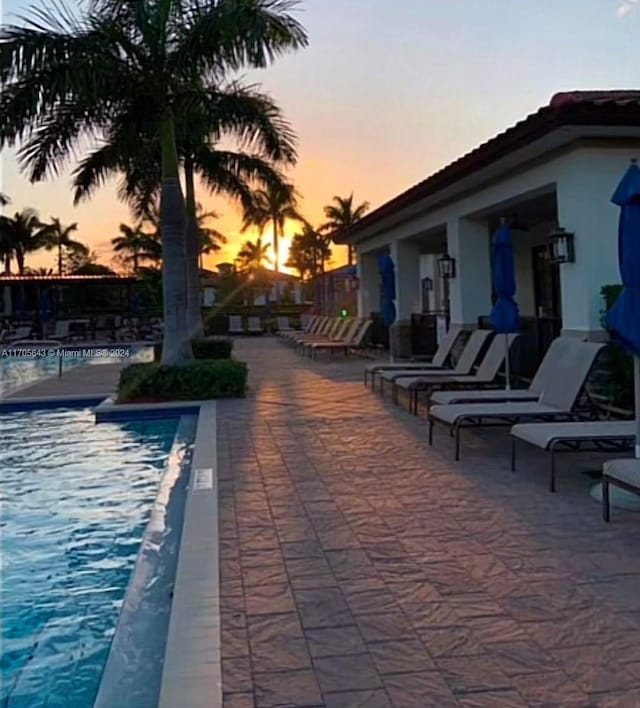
[{"x": 362, "y": 568}]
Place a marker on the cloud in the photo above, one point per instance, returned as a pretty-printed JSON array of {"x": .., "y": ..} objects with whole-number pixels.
[{"x": 625, "y": 8}]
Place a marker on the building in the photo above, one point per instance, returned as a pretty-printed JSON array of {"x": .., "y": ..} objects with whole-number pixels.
[
  {"x": 335, "y": 291},
  {"x": 556, "y": 169}
]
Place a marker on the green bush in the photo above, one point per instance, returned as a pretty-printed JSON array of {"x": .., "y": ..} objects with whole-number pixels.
[
  {"x": 203, "y": 349},
  {"x": 204, "y": 379}
]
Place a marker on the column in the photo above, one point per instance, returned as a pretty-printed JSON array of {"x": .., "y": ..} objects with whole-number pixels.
[
  {"x": 585, "y": 209},
  {"x": 368, "y": 284},
  {"x": 406, "y": 258},
  {"x": 470, "y": 291}
]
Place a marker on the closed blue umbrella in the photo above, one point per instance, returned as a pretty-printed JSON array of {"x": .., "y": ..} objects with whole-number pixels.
[
  {"x": 386, "y": 269},
  {"x": 504, "y": 314},
  {"x": 623, "y": 319},
  {"x": 388, "y": 275}
]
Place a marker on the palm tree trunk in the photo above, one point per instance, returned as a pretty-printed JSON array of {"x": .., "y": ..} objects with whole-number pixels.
[
  {"x": 176, "y": 347},
  {"x": 276, "y": 253},
  {"x": 20, "y": 262},
  {"x": 192, "y": 250},
  {"x": 60, "y": 258},
  {"x": 350, "y": 254}
]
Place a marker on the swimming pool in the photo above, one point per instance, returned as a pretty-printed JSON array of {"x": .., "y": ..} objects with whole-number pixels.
[
  {"x": 76, "y": 498},
  {"x": 18, "y": 372}
]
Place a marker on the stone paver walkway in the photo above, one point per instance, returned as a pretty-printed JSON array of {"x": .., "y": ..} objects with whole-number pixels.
[{"x": 362, "y": 568}]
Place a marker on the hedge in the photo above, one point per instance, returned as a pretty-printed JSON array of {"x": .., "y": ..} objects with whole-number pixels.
[{"x": 204, "y": 379}]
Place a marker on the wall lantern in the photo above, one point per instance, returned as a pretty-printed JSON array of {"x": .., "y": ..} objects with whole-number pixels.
[
  {"x": 561, "y": 246},
  {"x": 352, "y": 284},
  {"x": 447, "y": 267},
  {"x": 427, "y": 284}
]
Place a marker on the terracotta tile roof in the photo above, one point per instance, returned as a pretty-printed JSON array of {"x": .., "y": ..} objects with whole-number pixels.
[{"x": 609, "y": 108}]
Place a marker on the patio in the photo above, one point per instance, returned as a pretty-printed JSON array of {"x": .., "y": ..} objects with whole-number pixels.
[{"x": 362, "y": 568}]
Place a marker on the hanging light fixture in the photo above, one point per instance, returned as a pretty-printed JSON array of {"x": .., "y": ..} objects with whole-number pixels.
[
  {"x": 447, "y": 267},
  {"x": 561, "y": 246}
]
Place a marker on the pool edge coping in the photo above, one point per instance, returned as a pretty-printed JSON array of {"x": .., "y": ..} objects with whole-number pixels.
[{"x": 192, "y": 668}]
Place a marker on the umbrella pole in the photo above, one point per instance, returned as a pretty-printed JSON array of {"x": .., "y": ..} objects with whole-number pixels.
[
  {"x": 636, "y": 385},
  {"x": 507, "y": 365}
]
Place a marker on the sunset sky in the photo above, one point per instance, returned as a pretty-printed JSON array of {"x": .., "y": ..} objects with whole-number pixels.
[{"x": 388, "y": 93}]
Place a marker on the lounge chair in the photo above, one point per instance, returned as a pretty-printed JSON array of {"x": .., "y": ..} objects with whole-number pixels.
[
  {"x": 438, "y": 362},
  {"x": 235, "y": 324},
  {"x": 19, "y": 333},
  {"x": 254, "y": 326},
  {"x": 321, "y": 325},
  {"x": 463, "y": 367},
  {"x": 342, "y": 328},
  {"x": 485, "y": 375},
  {"x": 312, "y": 325},
  {"x": 353, "y": 339},
  {"x": 283, "y": 324},
  {"x": 329, "y": 329},
  {"x": 554, "y": 355},
  {"x": 61, "y": 332},
  {"x": 337, "y": 332},
  {"x": 556, "y": 402},
  {"x": 621, "y": 473},
  {"x": 580, "y": 436}
]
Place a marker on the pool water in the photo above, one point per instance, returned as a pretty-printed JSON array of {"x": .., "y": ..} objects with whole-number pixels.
[
  {"x": 16, "y": 373},
  {"x": 75, "y": 499}
]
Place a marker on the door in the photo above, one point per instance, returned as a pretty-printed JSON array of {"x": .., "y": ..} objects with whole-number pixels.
[{"x": 548, "y": 305}]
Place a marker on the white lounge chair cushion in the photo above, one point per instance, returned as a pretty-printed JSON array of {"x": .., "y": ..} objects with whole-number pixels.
[
  {"x": 450, "y": 414},
  {"x": 625, "y": 470},
  {"x": 408, "y": 366},
  {"x": 543, "y": 434},
  {"x": 410, "y": 377},
  {"x": 491, "y": 396},
  {"x": 441, "y": 378}
]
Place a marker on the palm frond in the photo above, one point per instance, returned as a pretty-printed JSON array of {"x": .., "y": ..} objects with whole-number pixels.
[{"x": 227, "y": 34}]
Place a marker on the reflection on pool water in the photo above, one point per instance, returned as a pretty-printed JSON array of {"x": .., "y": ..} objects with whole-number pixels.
[
  {"x": 75, "y": 500},
  {"x": 18, "y": 372}
]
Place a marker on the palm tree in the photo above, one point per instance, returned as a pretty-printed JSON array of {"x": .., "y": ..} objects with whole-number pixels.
[
  {"x": 4, "y": 199},
  {"x": 275, "y": 205},
  {"x": 21, "y": 234},
  {"x": 253, "y": 256},
  {"x": 121, "y": 64},
  {"x": 209, "y": 238},
  {"x": 232, "y": 111},
  {"x": 41, "y": 271},
  {"x": 341, "y": 215},
  {"x": 134, "y": 246},
  {"x": 58, "y": 236}
]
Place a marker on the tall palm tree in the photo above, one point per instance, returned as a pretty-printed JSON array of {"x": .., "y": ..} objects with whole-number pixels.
[
  {"x": 261, "y": 136},
  {"x": 66, "y": 78},
  {"x": 275, "y": 205},
  {"x": 58, "y": 236},
  {"x": 22, "y": 233},
  {"x": 341, "y": 215}
]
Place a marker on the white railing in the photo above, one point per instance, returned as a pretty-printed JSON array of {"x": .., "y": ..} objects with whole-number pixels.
[{"x": 31, "y": 346}]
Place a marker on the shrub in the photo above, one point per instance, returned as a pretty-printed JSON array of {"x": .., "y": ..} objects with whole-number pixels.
[
  {"x": 204, "y": 379},
  {"x": 203, "y": 349}
]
